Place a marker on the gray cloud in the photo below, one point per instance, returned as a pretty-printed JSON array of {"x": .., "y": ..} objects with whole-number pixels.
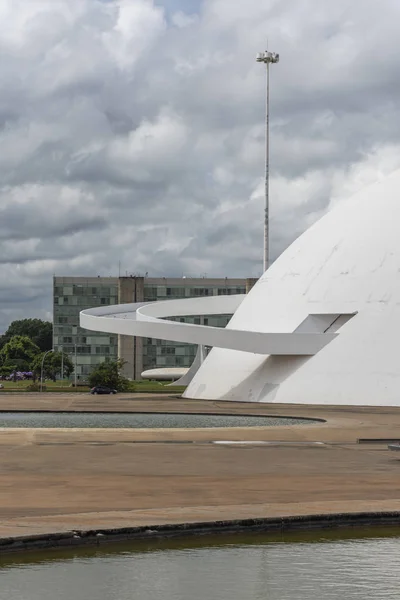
[{"x": 133, "y": 132}]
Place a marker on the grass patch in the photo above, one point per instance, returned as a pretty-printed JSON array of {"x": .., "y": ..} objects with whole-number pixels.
[
  {"x": 155, "y": 387},
  {"x": 138, "y": 387}
]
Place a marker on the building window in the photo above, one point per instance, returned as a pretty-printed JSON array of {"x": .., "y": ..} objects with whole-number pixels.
[{"x": 167, "y": 350}]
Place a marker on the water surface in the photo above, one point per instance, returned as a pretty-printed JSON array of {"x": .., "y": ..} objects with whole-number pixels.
[
  {"x": 138, "y": 420},
  {"x": 256, "y": 568}
]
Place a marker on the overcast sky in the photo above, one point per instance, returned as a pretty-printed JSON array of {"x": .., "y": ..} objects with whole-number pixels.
[{"x": 133, "y": 131}]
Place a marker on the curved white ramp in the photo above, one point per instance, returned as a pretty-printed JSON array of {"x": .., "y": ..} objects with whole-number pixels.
[{"x": 149, "y": 320}]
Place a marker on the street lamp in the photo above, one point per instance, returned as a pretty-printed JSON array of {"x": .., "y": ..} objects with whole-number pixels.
[
  {"x": 62, "y": 365},
  {"x": 75, "y": 366},
  {"x": 41, "y": 370},
  {"x": 268, "y": 58}
]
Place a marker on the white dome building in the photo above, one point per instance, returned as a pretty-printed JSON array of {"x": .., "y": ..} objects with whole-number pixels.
[{"x": 321, "y": 326}]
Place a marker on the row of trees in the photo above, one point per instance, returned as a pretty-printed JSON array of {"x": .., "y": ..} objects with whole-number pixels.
[
  {"x": 23, "y": 348},
  {"x": 38, "y": 331},
  {"x": 21, "y": 354}
]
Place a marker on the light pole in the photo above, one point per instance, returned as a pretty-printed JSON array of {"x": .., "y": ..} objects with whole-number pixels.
[
  {"x": 41, "y": 370},
  {"x": 267, "y": 58},
  {"x": 75, "y": 367}
]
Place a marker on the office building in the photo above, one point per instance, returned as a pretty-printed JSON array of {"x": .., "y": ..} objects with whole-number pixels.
[{"x": 88, "y": 348}]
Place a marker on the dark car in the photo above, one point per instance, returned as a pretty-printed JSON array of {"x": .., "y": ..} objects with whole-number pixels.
[{"x": 102, "y": 389}]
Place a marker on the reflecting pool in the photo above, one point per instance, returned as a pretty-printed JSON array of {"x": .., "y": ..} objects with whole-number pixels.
[
  {"x": 354, "y": 566},
  {"x": 139, "y": 420}
]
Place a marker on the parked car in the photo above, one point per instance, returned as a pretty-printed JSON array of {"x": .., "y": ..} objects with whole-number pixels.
[{"x": 102, "y": 389}]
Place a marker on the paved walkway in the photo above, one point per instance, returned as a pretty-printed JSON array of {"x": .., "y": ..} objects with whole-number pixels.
[{"x": 62, "y": 480}]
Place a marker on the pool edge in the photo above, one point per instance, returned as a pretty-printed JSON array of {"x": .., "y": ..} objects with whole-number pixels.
[{"x": 104, "y": 536}]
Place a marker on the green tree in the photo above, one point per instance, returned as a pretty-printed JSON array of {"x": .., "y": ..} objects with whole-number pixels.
[
  {"x": 53, "y": 363},
  {"x": 7, "y": 368},
  {"x": 12, "y": 366},
  {"x": 19, "y": 348},
  {"x": 18, "y": 364},
  {"x": 17, "y": 355},
  {"x": 109, "y": 374},
  {"x": 40, "y": 332}
]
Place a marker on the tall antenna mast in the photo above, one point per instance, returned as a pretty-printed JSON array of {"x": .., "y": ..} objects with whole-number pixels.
[{"x": 267, "y": 58}]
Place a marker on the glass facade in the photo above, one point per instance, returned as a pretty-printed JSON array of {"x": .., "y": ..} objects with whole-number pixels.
[
  {"x": 91, "y": 347},
  {"x": 71, "y": 295},
  {"x": 160, "y": 353}
]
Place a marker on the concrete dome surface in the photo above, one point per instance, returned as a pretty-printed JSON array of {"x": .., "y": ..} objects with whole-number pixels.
[{"x": 343, "y": 276}]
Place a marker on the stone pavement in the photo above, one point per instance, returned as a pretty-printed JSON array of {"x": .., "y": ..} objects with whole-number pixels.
[{"x": 62, "y": 480}]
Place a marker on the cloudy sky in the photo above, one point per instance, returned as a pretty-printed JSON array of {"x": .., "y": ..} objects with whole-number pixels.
[{"x": 132, "y": 131}]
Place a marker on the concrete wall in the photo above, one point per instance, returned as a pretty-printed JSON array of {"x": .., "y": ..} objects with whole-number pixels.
[{"x": 130, "y": 348}]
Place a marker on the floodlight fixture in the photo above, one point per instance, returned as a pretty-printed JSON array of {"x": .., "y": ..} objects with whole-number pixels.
[{"x": 267, "y": 57}]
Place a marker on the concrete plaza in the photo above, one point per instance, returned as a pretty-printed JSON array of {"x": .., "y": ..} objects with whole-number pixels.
[{"x": 58, "y": 480}]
